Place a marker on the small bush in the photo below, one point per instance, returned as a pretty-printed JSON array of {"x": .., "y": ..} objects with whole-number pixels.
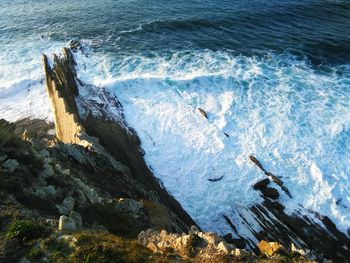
[
  {"x": 25, "y": 230},
  {"x": 34, "y": 254}
]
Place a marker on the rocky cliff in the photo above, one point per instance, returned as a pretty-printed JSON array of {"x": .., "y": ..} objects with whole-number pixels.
[{"x": 79, "y": 190}]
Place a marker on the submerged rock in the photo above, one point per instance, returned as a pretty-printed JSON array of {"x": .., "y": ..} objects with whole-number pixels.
[
  {"x": 270, "y": 193},
  {"x": 262, "y": 184},
  {"x": 204, "y": 114}
]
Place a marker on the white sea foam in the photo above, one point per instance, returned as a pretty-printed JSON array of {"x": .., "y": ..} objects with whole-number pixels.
[
  {"x": 22, "y": 90},
  {"x": 293, "y": 118}
]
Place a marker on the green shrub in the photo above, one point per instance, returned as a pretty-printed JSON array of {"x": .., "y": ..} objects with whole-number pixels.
[
  {"x": 34, "y": 254},
  {"x": 25, "y": 230}
]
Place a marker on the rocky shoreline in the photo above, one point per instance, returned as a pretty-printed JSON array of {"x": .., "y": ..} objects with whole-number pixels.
[{"x": 79, "y": 190}]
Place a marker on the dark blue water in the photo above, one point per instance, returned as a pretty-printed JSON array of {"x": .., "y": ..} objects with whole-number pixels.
[{"x": 319, "y": 30}]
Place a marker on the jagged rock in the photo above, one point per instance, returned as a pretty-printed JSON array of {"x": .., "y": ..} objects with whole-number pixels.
[
  {"x": 270, "y": 192},
  {"x": 203, "y": 246},
  {"x": 10, "y": 165},
  {"x": 153, "y": 247},
  {"x": 225, "y": 247},
  {"x": 193, "y": 230},
  {"x": 78, "y": 221},
  {"x": 107, "y": 144},
  {"x": 299, "y": 251},
  {"x": 269, "y": 248},
  {"x": 66, "y": 223},
  {"x": 274, "y": 178},
  {"x": 75, "y": 45},
  {"x": 262, "y": 184},
  {"x": 211, "y": 238},
  {"x": 67, "y": 206}
]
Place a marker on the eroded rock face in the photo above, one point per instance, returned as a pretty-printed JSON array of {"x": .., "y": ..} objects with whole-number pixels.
[
  {"x": 106, "y": 144},
  {"x": 62, "y": 89}
]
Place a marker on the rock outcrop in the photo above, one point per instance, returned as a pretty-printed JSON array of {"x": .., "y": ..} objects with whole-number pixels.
[
  {"x": 309, "y": 231},
  {"x": 90, "y": 126}
]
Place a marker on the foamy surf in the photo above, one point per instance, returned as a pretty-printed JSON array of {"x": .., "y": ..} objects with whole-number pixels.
[{"x": 294, "y": 118}]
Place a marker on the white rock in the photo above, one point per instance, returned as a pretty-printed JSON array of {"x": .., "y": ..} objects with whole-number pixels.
[
  {"x": 67, "y": 206},
  {"x": 224, "y": 247},
  {"x": 66, "y": 223},
  {"x": 10, "y": 165},
  {"x": 240, "y": 253}
]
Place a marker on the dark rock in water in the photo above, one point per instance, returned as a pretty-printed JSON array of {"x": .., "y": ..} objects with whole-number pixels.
[
  {"x": 215, "y": 179},
  {"x": 204, "y": 114},
  {"x": 285, "y": 189},
  {"x": 274, "y": 178},
  {"x": 298, "y": 229},
  {"x": 257, "y": 163},
  {"x": 229, "y": 222},
  {"x": 228, "y": 238},
  {"x": 277, "y": 205},
  {"x": 75, "y": 45},
  {"x": 270, "y": 192},
  {"x": 262, "y": 184},
  {"x": 239, "y": 242}
]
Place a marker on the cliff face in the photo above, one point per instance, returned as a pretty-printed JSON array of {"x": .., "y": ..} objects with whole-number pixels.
[
  {"x": 62, "y": 90},
  {"x": 103, "y": 135}
]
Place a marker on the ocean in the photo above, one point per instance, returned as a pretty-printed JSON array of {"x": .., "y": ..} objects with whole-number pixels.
[{"x": 273, "y": 75}]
